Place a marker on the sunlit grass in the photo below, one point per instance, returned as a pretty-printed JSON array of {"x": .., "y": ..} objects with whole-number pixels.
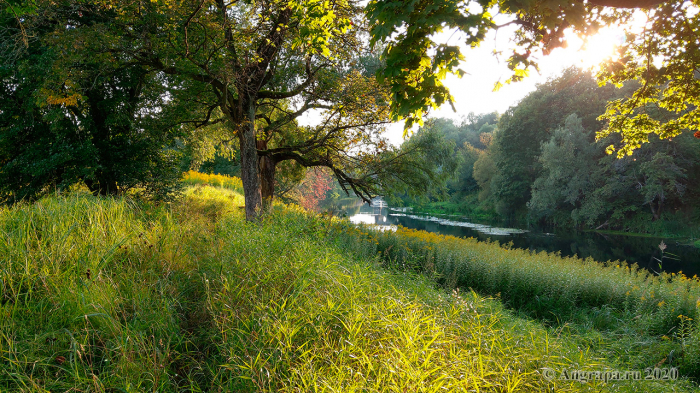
[
  {"x": 612, "y": 297},
  {"x": 106, "y": 294},
  {"x": 232, "y": 183}
]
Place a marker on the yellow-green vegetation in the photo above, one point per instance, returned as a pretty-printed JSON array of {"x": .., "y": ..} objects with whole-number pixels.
[
  {"x": 231, "y": 183},
  {"x": 561, "y": 284},
  {"x": 107, "y": 294},
  {"x": 623, "y": 301}
]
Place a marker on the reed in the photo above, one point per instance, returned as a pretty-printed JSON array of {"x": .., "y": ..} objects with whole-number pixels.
[{"x": 610, "y": 296}]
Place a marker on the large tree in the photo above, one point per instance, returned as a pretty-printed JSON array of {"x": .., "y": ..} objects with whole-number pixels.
[
  {"x": 264, "y": 65},
  {"x": 253, "y": 68},
  {"x": 568, "y": 161}
]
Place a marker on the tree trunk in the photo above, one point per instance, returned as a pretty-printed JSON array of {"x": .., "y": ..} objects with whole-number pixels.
[
  {"x": 601, "y": 226},
  {"x": 267, "y": 177},
  {"x": 103, "y": 185},
  {"x": 109, "y": 187},
  {"x": 250, "y": 176},
  {"x": 655, "y": 213}
]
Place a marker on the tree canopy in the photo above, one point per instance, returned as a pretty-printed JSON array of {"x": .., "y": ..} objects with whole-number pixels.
[
  {"x": 246, "y": 70},
  {"x": 90, "y": 119},
  {"x": 166, "y": 69},
  {"x": 664, "y": 59}
]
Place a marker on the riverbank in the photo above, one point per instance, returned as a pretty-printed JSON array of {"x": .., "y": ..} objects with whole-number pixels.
[
  {"x": 109, "y": 294},
  {"x": 682, "y": 253},
  {"x": 679, "y": 227},
  {"x": 457, "y": 209}
]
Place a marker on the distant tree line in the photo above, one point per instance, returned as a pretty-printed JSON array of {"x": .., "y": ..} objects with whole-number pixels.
[{"x": 540, "y": 163}]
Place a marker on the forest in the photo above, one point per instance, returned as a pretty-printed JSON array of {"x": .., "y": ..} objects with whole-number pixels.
[
  {"x": 125, "y": 97},
  {"x": 540, "y": 163},
  {"x": 103, "y": 96}
]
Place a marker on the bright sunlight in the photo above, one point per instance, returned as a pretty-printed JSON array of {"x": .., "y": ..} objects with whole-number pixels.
[{"x": 590, "y": 52}]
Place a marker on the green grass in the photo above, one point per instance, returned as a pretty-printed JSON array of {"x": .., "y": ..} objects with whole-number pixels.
[
  {"x": 112, "y": 295},
  {"x": 623, "y": 302},
  {"x": 192, "y": 178}
]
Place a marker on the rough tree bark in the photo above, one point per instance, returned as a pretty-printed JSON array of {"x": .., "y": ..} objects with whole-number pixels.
[
  {"x": 267, "y": 176},
  {"x": 249, "y": 166}
]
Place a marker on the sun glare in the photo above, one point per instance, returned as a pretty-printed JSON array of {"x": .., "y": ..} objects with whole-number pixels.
[
  {"x": 597, "y": 48},
  {"x": 589, "y": 52}
]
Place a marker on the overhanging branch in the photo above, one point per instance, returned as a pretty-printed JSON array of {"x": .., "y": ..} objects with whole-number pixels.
[{"x": 627, "y": 3}]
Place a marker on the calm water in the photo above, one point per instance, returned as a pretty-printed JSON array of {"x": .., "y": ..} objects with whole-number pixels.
[{"x": 639, "y": 250}]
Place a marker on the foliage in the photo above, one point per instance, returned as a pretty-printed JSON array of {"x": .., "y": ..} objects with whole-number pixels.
[
  {"x": 238, "y": 76},
  {"x": 463, "y": 181},
  {"x": 663, "y": 58},
  {"x": 542, "y": 166},
  {"x": 471, "y": 138},
  {"x": 483, "y": 172},
  {"x": 415, "y": 76},
  {"x": 467, "y": 140},
  {"x": 420, "y": 169},
  {"x": 523, "y": 129},
  {"x": 662, "y": 179},
  {"x": 416, "y": 64},
  {"x": 208, "y": 148},
  {"x": 312, "y": 191},
  {"x": 569, "y": 163},
  {"x": 69, "y": 120}
]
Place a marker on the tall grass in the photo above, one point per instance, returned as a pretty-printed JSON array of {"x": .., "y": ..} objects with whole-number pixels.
[
  {"x": 547, "y": 286},
  {"x": 223, "y": 181},
  {"x": 112, "y": 295}
]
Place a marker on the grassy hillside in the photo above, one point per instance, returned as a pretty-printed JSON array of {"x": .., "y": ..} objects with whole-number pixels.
[{"x": 113, "y": 295}]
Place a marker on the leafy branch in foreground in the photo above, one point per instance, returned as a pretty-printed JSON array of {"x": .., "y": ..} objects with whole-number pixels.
[{"x": 665, "y": 58}]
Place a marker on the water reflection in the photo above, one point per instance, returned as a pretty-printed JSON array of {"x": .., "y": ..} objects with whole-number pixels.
[
  {"x": 489, "y": 230},
  {"x": 643, "y": 251},
  {"x": 375, "y": 214}
]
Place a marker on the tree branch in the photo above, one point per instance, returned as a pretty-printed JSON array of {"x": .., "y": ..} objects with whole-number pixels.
[
  {"x": 311, "y": 76},
  {"x": 627, "y": 3}
]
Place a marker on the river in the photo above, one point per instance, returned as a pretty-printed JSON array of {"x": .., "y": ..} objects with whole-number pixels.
[{"x": 644, "y": 251}]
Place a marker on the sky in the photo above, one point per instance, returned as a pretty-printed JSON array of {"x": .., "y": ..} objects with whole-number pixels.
[{"x": 474, "y": 91}]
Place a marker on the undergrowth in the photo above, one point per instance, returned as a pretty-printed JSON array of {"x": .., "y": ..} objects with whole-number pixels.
[
  {"x": 223, "y": 181},
  {"x": 104, "y": 294},
  {"x": 629, "y": 304}
]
